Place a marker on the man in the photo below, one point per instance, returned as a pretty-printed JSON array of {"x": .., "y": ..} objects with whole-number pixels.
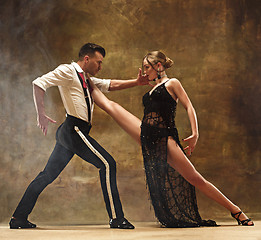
[{"x": 78, "y": 93}]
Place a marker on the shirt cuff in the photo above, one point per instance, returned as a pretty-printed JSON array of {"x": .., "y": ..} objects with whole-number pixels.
[
  {"x": 102, "y": 84},
  {"x": 40, "y": 84}
]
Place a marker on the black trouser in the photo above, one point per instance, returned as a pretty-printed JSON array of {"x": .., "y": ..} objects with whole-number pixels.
[{"x": 73, "y": 138}]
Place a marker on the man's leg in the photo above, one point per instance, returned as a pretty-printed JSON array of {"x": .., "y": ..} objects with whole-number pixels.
[
  {"x": 92, "y": 152},
  {"x": 56, "y": 163}
]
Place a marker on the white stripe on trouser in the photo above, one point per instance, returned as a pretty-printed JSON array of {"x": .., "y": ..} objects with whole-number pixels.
[{"x": 107, "y": 168}]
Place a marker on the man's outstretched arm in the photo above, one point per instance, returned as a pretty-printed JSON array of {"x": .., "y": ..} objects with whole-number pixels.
[
  {"x": 42, "y": 119},
  {"x": 123, "y": 84}
]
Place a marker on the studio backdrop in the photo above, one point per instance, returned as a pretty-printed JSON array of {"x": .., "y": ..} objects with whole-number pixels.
[{"x": 216, "y": 48}]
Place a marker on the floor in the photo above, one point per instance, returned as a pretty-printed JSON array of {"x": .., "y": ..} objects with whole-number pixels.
[{"x": 143, "y": 231}]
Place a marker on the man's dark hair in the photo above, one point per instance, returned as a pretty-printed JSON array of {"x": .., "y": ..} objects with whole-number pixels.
[{"x": 90, "y": 49}]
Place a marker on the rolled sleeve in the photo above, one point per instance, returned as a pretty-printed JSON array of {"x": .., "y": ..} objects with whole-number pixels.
[
  {"x": 102, "y": 84},
  {"x": 61, "y": 76}
]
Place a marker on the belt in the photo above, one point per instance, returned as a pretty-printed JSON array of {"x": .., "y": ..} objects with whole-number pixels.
[{"x": 74, "y": 121}]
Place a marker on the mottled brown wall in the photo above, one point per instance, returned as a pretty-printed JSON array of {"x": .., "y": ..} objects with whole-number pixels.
[{"x": 216, "y": 49}]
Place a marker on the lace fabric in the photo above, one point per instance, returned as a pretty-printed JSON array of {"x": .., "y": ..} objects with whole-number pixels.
[{"x": 173, "y": 198}]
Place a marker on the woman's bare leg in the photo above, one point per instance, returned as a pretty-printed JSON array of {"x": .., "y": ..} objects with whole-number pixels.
[
  {"x": 178, "y": 160},
  {"x": 127, "y": 121}
]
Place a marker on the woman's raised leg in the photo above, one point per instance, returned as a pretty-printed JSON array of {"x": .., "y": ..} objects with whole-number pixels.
[{"x": 127, "y": 121}]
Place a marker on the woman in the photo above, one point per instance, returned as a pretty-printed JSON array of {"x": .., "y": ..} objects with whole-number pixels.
[{"x": 170, "y": 175}]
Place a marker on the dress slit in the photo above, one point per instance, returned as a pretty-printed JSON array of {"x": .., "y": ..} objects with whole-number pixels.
[{"x": 172, "y": 197}]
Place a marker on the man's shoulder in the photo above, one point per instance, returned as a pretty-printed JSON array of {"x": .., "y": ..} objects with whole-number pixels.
[{"x": 65, "y": 66}]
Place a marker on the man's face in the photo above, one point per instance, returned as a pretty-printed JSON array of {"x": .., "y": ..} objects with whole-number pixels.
[{"x": 93, "y": 64}]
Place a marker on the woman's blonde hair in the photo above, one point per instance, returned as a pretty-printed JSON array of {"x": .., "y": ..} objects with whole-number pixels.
[{"x": 156, "y": 56}]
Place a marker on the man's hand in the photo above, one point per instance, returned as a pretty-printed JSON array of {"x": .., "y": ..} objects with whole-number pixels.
[
  {"x": 42, "y": 122},
  {"x": 42, "y": 119},
  {"x": 142, "y": 79},
  {"x": 116, "y": 84}
]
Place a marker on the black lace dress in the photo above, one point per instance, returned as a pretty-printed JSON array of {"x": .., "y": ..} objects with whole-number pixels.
[{"x": 173, "y": 198}]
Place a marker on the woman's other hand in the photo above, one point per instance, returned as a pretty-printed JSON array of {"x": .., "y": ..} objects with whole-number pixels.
[{"x": 191, "y": 142}]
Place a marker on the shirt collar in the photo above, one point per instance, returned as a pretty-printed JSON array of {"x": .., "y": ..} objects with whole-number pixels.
[{"x": 78, "y": 68}]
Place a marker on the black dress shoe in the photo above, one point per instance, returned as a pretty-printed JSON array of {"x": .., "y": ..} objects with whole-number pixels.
[
  {"x": 122, "y": 223},
  {"x": 20, "y": 223}
]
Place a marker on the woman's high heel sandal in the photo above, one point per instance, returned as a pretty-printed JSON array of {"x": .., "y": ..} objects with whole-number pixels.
[{"x": 243, "y": 222}]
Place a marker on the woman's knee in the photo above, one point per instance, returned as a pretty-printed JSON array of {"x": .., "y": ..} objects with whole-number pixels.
[{"x": 197, "y": 180}]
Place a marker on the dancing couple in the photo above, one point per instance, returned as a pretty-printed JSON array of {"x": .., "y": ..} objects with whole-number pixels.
[{"x": 170, "y": 176}]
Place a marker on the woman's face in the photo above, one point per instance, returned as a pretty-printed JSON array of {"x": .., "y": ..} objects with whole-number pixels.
[{"x": 149, "y": 71}]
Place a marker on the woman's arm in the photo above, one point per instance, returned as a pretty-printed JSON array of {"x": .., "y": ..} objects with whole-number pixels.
[{"x": 178, "y": 92}]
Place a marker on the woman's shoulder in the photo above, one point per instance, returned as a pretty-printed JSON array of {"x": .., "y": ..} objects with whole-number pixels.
[{"x": 174, "y": 82}]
